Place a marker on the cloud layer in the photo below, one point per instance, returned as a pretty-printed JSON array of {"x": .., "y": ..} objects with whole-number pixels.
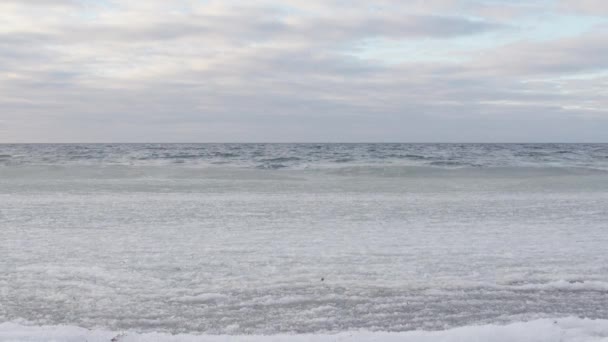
[{"x": 191, "y": 70}]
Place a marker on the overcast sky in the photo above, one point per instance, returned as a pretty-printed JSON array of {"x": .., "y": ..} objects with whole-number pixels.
[{"x": 303, "y": 70}]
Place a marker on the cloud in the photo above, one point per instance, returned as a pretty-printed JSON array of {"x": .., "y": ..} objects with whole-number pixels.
[
  {"x": 582, "y": 53},
  {"x": 263, "y": 70},
  {"x": 591, "y": 7}
]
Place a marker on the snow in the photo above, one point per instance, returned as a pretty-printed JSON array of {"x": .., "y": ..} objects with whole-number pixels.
[
  {"x": 251, "y": 262},
  {"x": 543, "y": 330},
  {"x": 243, "y": 251}
]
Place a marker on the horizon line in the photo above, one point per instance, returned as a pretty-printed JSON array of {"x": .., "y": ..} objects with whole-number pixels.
[{"x": 299, "y": 142}]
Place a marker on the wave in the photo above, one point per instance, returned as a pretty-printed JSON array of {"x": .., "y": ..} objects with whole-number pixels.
[
  {"x": 540, "y": 330},
  {"x": 280, "y": 160},
  {"x": 224, "y": 169},
  {"x": 297, "y": 156},
  {"x": 414, "y": 157},
  {"x": 271, "y": 166},
  {"x": 225, "y": 155},
  {"x": 449, "y": 163},
  {"x": 181, "y": 156},
  {"x": 462, "y": 171}
]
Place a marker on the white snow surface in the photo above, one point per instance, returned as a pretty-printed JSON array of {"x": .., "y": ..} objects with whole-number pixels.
[
  {"x": 543, "y": 330},
  {"x": 225, "y": 251}
]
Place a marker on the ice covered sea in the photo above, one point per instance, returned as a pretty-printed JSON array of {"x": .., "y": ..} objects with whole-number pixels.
[{"x": 327, "y": 241}]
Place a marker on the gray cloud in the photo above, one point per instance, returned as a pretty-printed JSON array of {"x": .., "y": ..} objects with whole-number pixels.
[
  {"x": 584, "y": 53},
  {"x": 139, "y": 72},
  {"x": 592, "y": 7}
]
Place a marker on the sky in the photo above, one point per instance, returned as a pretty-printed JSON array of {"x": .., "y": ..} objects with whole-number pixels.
[{"x": 303, "y": 71}]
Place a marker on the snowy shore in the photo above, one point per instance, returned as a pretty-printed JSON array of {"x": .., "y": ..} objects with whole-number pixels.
[
  {"x": 134, "y": 239},
  {"x": 549, "y": 330}
]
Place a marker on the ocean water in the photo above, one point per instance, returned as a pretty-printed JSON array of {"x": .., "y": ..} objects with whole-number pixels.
[{"x": 264, "y": 239}]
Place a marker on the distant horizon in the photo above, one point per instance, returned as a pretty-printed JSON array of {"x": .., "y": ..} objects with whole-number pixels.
[{"x": 305, "y": 142}]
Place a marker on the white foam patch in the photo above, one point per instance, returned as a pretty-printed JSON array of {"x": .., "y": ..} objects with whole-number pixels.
[{"x": 550, "y": 330}]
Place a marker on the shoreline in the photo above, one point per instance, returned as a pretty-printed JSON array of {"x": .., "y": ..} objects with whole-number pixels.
[{"x": 540, "y": 330}]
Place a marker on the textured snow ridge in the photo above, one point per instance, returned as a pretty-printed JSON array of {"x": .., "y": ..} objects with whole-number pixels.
[{"x": 550, "y": 330}]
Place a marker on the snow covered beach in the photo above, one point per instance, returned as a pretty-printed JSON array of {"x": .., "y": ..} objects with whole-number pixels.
[
  {"x": 365, "y": 242},
  {"x": 563, "y": 330}
]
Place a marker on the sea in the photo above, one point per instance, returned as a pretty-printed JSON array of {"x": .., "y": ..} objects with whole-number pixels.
[{"x": 300, "y": 239}]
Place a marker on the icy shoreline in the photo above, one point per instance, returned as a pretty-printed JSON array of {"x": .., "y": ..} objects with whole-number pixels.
[{"x": 564, "y": 329}]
